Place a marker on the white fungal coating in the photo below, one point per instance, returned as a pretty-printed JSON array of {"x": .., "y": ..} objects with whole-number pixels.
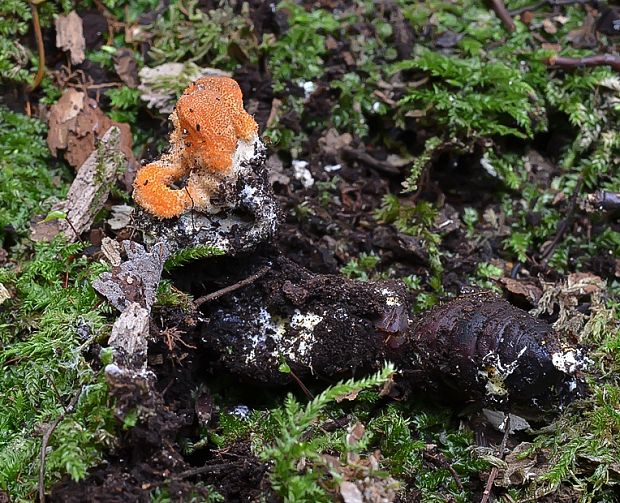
[
  {"x": 302, "y": 173},
  {"x": 244, "y": 152},
  {"x": 566, "y": 362},
  {"x": 391, "y": 299},
  {"x": 271, "y": 331},
  {"x": 496, "y": 372}
]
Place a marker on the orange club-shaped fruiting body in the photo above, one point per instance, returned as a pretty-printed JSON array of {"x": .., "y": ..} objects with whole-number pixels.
[{"x": 208, "y": 121}]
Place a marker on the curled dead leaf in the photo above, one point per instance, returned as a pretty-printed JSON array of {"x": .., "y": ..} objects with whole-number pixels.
[{"x": 76, "y": 123}]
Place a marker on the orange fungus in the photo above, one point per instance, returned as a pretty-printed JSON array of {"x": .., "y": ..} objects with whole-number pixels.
[{"x": 208, "y": 122}]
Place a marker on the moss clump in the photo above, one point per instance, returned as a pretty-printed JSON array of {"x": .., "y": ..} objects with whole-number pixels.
[{"x": 29, "y": 183}]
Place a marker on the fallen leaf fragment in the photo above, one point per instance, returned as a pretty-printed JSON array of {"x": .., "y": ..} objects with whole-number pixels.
[
  {"x": 75, "y": 124},
  {"x": 121, "y": 216},
  {"x": 70, "y": 36},
  {"x": 584, "y": 36},
  {"x": 549, "y": 26},
  {"x": 350, "y": 493},
  {"x": 527, "y": 291},
  {"x": 62, "y": 119}
]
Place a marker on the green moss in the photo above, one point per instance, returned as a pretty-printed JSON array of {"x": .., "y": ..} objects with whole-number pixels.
[
  {"x": 29, "y": 182},
  {"x": 52, "y": 317}
]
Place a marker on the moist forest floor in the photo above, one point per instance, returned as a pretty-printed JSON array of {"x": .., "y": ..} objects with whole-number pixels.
[{"x": 426, "y": 142}]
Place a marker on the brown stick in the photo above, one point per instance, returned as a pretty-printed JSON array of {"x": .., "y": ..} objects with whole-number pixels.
[
  {"x": 442, "y": 462},
  {"x": 503, "y": 14},
  {"x": 189, "y": 473},
  {"x": 564, "y": 225},
  {"x": 46, "y": 438},
  {"x": 40, "y": 49},
  {"x": 552, "y": 3},
  {"x": 494, "y": 471},
  {"x": 573, "y": 63},
  {"x": 358, "y": 155},
  {"x": 231, "y": 288}
]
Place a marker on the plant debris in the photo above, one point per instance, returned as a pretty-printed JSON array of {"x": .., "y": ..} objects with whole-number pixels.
[
  {"x": 76, "y": 123},
  {"x": 70, "y": 36},
  {"x": 88, "y": 192}
]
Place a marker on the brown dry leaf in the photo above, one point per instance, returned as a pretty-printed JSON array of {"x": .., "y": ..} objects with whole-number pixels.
[
  {"x": 348, "y": 396},
  {"x": 355, "y": 433},
  {"x": 62, "y": 119},
  {"x": 332, "y": 142},
  {"x": 331, "y": 43},
  {"x": 527, "y": 17},
  {"x": 522, "y": 289},
  {"x": 126, "y": 67},
  {"x": 70, "y": 36},
  {"x": 75, "y": 124},
  {"x": 584, "y": 36},
  {"x": 276, "y": 104}
]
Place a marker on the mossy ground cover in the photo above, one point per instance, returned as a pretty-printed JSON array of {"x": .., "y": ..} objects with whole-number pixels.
[{"x": 482, "y": 131}]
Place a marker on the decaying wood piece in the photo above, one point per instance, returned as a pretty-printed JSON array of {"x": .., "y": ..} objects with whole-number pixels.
[
  {"x": 70, "y": 36},
  {"x": 88, "y": 192},
  {"x": 480, "y": 346},
  {"x": 131, "y": 288}
]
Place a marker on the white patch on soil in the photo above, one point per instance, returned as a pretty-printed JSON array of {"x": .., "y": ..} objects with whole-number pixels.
[
  {"x": 391, "y": 299},
  {"x": 296, "y": 349},
  {"x": 302, "y": 173},
  {"x": 566, "y": 362}
]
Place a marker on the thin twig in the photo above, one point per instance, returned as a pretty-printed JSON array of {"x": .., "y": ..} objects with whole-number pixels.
[
  {"x": 552, "y": 3},
  {"x": 563, "y": 226},
  {"x": 77, "y": 235},
  {"x": 494, "y": 471},
  {"x": 231, "y": 288},
  {"x": 503, "y": 14},
  {"x": 362, "y": 156},
  {"x": 188, "y": 473},
  {"x": 443, "y": 463},
  {"x": 307, "y": 392},
  {"x": 40, "y": 48},
  {"x": 573, "y": 63},
  {"x": 46, "y": 438}
]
